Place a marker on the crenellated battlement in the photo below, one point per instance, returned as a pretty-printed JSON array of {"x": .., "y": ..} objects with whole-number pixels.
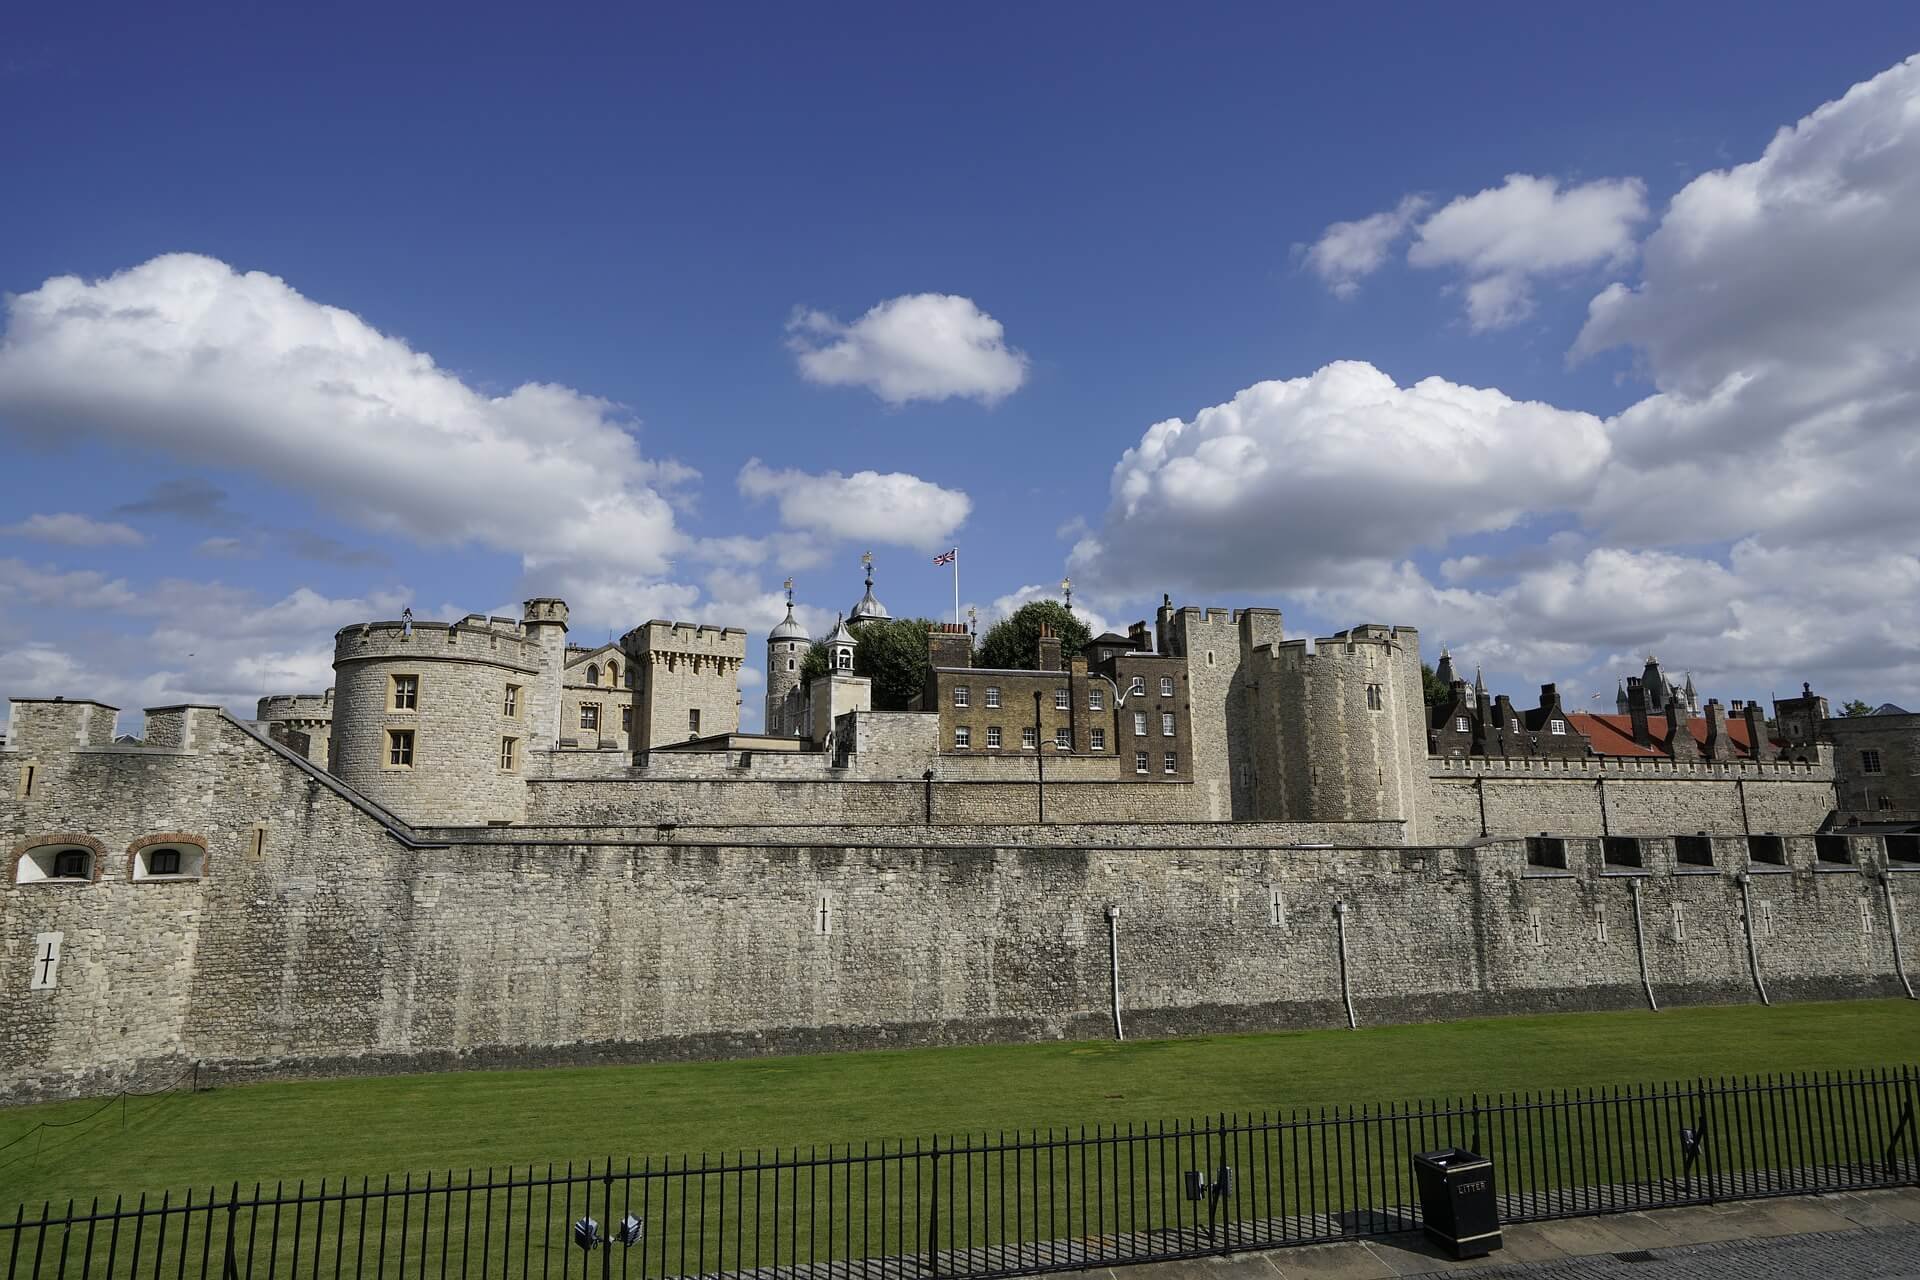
[
  {"x": 489, "y": 641},
  {"x": 1370, "y": 639},
  {"x": 1629, "y": 767},
  {"x": 295, "y": 706},
  {"x": 660, "y": 635}
]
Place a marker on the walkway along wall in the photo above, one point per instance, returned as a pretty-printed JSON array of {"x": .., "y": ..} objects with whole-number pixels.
[{"x": 325, "y": 937}]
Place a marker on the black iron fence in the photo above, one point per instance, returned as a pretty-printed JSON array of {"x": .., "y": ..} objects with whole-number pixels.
[{"x": 1008, "y": 1204}]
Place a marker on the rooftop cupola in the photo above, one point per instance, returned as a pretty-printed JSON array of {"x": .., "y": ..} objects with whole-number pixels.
[
  {"x": 840, "y": 643},
  {"x": 868, "y": 609}
]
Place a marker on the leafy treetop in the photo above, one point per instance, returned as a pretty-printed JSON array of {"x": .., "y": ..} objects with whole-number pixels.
[
  {"x": 1013, "y": 643},
  {"x": 893, "y": 654},
  {"x": 1855, "y": 707}
]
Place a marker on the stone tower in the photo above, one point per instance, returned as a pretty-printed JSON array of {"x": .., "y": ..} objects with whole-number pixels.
[
  {"x": 686, "y": 681},
  {"x": 545, "y": 622},
  {"x": 437, "y": 720},
  {"x": 1340, "y": 730},
  {"x": 787, "y": 646}
]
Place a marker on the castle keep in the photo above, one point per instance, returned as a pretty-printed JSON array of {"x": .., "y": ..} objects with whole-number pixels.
[{"x": 486, "y": 845}]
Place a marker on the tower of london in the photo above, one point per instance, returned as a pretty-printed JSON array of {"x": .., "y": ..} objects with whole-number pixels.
[{"x": 487, "y": 844}]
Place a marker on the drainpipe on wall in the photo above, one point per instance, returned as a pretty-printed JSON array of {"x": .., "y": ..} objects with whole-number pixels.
[
  {"x": 1113, "y": 951},
  {"x": 1893, "y": 931},
  {"x": 1480, "y": 788},
  {"x": 1740, "y": 785},
  {"x": 1601, "y": 785},
  {"x": 1640, "y": 944},
  {"x": 1346, "y": 989},
  {"x": 1753, "y": 951}
]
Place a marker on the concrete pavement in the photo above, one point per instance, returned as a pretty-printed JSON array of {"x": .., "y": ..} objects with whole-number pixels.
[{"x": 1844, "y": 1236}]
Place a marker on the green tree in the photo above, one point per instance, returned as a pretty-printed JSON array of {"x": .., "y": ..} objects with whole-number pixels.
[
  {"x": 1433, "y": 686},
  {"x": 1013, "y": 643},
  {"x": 893, "y": 654},
  {"x": 1855, "y": 708},
  {"x": 814, "y": 665}
]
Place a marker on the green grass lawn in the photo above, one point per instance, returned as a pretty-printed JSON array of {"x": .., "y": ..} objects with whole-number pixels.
[{"x": 497, "y": 1118}]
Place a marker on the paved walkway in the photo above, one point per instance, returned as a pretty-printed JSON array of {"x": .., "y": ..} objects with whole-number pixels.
[{"x": 1852, "y": 1236}]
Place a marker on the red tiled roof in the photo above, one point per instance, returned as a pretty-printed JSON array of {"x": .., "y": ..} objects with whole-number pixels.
[{"x": 1613, "y": 735}]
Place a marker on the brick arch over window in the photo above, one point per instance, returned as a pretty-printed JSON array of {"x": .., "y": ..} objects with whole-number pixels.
[
  {"x": 167, "y": 837},
  {"x": 50, "y": 840}
]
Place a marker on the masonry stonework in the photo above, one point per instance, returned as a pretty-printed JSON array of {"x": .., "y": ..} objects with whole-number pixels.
[{"x": 327, "y": 935}]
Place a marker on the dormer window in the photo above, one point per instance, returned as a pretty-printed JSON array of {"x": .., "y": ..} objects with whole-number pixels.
[
  {"x": 1557, "y": 727},
  {"x": 1462, "y": 725}
]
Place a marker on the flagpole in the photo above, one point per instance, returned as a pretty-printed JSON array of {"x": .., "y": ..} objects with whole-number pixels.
[{"x": 956, "y": 586}]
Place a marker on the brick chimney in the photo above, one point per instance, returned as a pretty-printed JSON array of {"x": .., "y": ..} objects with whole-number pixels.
[
  {"x": 1049, "y": 649},
  {"x": 1756, "y": 718},
  {"x": 1680, "y": 743},
  {"x": 1719, "y": 745},
  {"x": 1637, "y": 711},
  {"x": 1140, "y": 638},
  {"x": 949, "y": 645}
]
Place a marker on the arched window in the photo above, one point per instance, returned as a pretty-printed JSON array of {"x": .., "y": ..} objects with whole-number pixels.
[
  {"x": 56, "y": 864},
  {"x": 789, "y": 664},
  {"x": 845, "y": 662},
  {"x": 167, "y": 859},
  {"x": 613, "y": 673},
  {"x": 593, "y": 673}
]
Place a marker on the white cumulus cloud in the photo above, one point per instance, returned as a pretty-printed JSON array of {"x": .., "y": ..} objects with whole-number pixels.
[
  {"x": 1529, "y": 226},
  {"x": 1290, "y": 478},
  {"x": 185, "y": 355},
  {"x": 1499, "y": 240},
  {"x": 920, "y": 346},
  {"x": 1775, "y": 315},
  {"x": 873, "y": 506},
  {"x": 1348, "y": 252},
  {"x": 72, "y": 529}
]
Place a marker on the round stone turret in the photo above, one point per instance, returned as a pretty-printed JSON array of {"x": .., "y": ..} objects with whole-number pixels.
[
  {"x": 787, "y": 646},
  {"x": 435, "y": 720}
]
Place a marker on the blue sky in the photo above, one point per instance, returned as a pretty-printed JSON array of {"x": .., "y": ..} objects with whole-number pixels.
[{"x": 651, "y": 308}]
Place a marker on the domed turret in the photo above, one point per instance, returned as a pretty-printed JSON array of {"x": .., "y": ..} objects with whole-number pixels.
[
  {"x": 868, "y": 609},
  {"x": 787, "y": 646}
]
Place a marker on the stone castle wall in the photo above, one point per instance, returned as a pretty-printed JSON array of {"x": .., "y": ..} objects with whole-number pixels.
[
  {"x": 1626, "y": 797},
  {"x": 326, "y": 937}
]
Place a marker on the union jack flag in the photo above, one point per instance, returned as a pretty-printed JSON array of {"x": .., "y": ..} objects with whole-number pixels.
[{"x": 946, "y": 557}]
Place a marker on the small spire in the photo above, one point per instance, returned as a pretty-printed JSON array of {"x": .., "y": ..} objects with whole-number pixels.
[
  {"x": 789, "y": 586},
  {"x": 866, "y": 559}
]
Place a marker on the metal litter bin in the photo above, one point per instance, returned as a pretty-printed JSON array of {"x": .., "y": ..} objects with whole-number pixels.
[{"x": 1456, "y": 1201}]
